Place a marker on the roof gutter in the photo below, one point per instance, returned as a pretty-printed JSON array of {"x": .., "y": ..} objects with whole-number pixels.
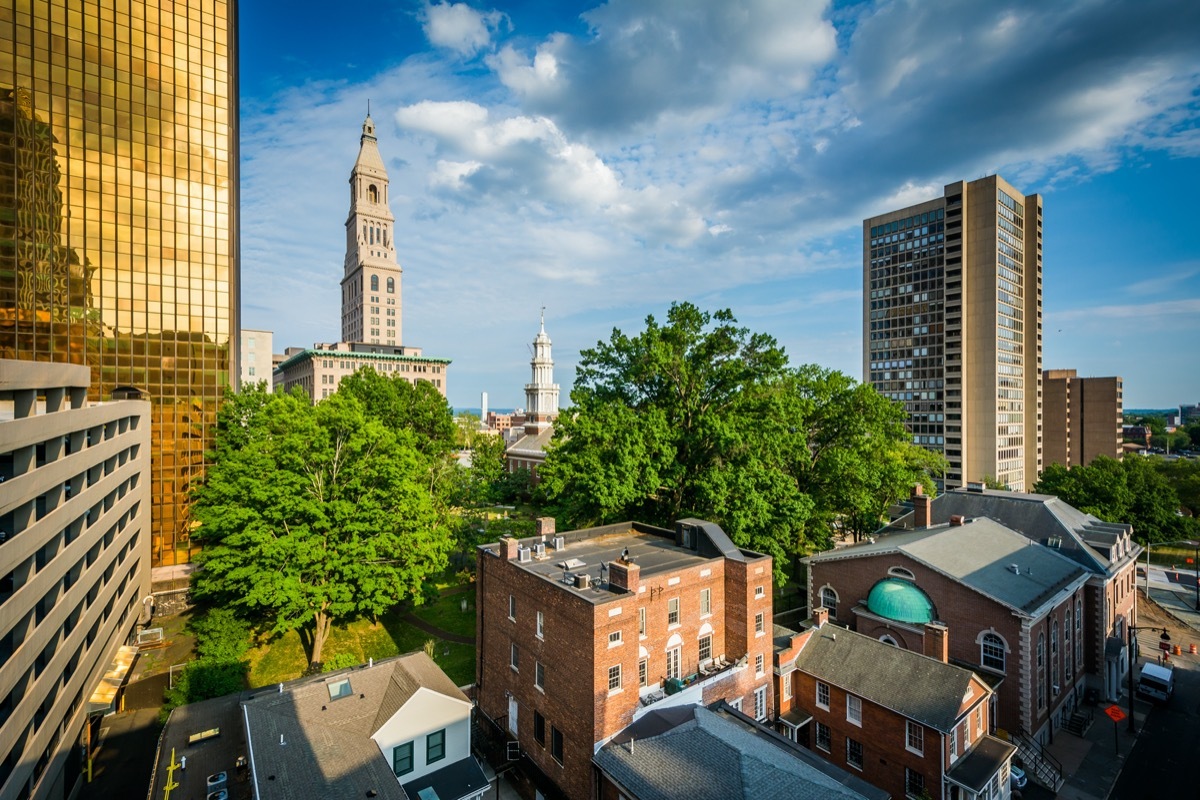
[{"x": 250, "y": 750}]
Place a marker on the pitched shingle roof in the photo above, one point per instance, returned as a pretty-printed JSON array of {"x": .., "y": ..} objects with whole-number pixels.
[
  {"x": 921, "y": 688},
  {"x": 712, "y": 757}
]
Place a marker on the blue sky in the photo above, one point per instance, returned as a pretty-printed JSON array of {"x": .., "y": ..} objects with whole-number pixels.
[{"x": 606, "y": 160}]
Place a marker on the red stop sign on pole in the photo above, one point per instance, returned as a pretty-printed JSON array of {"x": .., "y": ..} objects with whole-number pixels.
[{"x": 1114, "y": 713}]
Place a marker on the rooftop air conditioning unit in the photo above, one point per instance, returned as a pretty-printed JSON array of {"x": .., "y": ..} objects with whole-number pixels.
[
  {"x": 540, "y": 550},
  {"x": 524, "y": 555},
  {"x": 583, "y": 581},
  {"x": 559, "y": 542}
]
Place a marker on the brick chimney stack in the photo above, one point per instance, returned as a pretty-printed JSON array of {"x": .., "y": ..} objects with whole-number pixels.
[
  {"x": 937, "y": 641},
  {"x": 509, "y": 547},
  {"x": 625, "y": 575},
  {"x": 820, "y": 615},
  {"x": 922, "y": 507},
  {"x": 544, "y": 526}
]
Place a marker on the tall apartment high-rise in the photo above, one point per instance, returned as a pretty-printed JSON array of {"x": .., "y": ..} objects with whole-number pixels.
[
  {"x": 1083, "y": 418},
  {"x": 118, "y": 214},
  {"x": 371, "y": 287},
  {"x": 952, "y": 326}
]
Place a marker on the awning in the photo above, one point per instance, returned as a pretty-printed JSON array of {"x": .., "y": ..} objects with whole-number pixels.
[
  {"x": 796, "y": 718},
  {"x": 975, "y": 769},
  {"x": 103, "y": 699}
]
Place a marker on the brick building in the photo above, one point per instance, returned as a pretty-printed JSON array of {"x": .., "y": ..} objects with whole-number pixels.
[
  {"x": 1014, "y": 608},
  {"x": 1105, "y": 550},
  {"x": 1082, "y": 418},
  {"x": 582, "y": 633},
  {"x": 911, "y": 724}
]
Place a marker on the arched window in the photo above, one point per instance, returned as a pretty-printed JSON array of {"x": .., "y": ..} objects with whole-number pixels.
[
  {"x": 887, "y": 639},
  {"x": 1078, "y": 634},
  {"x": 1041, "y": 670},
  {"x": 391, "y": 284},
  {"x": 991, "y": 652},
  {"x": 829, "y": 599},
  {"x": 374, "y": 283},
  {"x": 373, "y": 193},
  {"x": 901, "y": 572}
]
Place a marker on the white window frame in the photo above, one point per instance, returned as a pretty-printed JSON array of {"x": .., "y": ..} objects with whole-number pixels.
[
  {"x": 705, "y": 602},
  {"x": 541, "y": 625},
  {"x": 786, "y": 680},
  {"x": 759, "y": 591},
  {"x": 614, "y": 638},
  {"x": 861, "y": 754},
  {"x": 914, "y": 737},
  {"x": 760, "y": 624},
  {"x": 854, "y": 710},
  {"x": 823, "y": 704},
  {"x": 642, "y": 622},
  {"x": 614, "y": 674},
  {"x": 991, "y": 641},
  {"x": 539, "y": 676},
  {"x": 512, "y": 608},
  {"x": 705, "y": 639},
  {"x": 673, "y": 612},
  {"x": 514, "y": 656},
  {"x": 758, "y": 664},
  {"x": 760, "y": 703}
]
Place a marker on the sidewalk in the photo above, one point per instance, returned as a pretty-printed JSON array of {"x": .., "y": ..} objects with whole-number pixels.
[{"x": 1093, "y": 763}]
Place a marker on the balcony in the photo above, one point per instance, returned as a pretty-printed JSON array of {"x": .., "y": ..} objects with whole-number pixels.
[{"x": 688, "y": 690}]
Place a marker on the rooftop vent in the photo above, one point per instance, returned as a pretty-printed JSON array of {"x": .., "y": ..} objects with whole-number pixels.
[
  {"x": 1016, "y": 570},
  {"x": 539, "y": 550},
  {"x": 524, "y": 555},
  {"x": 583, "y": 581},
  {"x": 1054, "y": 541},
  {"x": 560, "y": 543},
  {"x": 975, "y": 486}
]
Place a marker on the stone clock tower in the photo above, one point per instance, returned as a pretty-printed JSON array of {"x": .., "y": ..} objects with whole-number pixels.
[{"x": 371, "y": 286}]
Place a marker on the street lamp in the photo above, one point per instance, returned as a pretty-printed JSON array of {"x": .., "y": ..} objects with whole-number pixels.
[{"x": 1165, "y": 637}]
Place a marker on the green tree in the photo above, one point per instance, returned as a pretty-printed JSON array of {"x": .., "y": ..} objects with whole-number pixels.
[
  {"x": 1183, "y": 475},
  {"x": 311, "y": 514},
  {"x": 1131, "y": 491},
  {"x": 404, "y": 405},
  {"x": 700, "y": 417}
]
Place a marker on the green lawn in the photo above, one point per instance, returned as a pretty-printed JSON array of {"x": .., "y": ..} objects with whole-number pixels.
[
  {"x": 447, "y": 613},
  {"x": 1172, "y": 555}
]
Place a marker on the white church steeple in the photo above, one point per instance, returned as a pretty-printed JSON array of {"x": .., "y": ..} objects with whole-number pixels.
[
  {"x": 371, "y": 299},
  {"x": 541, "y": 393}
]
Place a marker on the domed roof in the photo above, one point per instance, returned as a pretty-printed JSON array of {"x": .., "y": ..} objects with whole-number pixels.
[{"x": 900, "y": 600}]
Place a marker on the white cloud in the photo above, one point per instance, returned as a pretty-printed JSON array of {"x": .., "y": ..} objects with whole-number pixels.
[{"x": 458, "y": 27}]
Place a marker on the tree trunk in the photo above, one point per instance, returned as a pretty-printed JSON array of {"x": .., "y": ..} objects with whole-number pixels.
[{"x": 321, "y": 625}]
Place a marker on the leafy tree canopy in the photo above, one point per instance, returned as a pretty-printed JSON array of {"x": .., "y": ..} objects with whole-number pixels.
[
  {"x": 1131, "y": 490},
  {"x": 700, "y": 417},
  {"x": 314, "y": 513},
  {"x": 405, "y": 406}
]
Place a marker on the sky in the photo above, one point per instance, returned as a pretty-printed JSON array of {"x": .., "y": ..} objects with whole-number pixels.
[{"x": 605, "y": 160}]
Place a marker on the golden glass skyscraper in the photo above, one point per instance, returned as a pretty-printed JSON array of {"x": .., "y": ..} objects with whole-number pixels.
[{"x": 118, "y": 213}]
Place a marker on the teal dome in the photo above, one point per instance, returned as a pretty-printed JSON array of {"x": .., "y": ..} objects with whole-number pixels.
[{"x": 900, "y": 600}]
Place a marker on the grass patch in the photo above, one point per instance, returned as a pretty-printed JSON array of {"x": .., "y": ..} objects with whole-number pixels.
[
  {"x": 283, "y": 658},
  {"x": 447, "y": 614},
  {"x": 1170, "y": 555}
]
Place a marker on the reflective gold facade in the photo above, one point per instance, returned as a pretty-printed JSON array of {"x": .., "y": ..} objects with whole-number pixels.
[{"x": 118, "y": 197}]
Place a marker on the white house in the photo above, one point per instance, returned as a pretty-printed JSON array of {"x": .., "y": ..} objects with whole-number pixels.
[{"x": 394, "y": 729}]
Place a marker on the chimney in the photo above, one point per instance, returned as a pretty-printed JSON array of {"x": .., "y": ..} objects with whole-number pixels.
[
  {"x": 624, "y": 575},
  {"x": 957, "y": 520},
  {"x": 510, "y": 545},
  {"x": 922, "y": 507},
  {"x": 937, "y": 642},
  {"x": 544, "y": 526},
  {"x": 820, "y": 615}
]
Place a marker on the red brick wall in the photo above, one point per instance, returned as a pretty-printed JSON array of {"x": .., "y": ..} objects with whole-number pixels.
[
  {"x": 577, "y": 653},
  {"x": 965, "y": 612}
]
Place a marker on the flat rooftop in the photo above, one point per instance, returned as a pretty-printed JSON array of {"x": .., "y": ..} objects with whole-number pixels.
[{"x": 589, "y": 551}]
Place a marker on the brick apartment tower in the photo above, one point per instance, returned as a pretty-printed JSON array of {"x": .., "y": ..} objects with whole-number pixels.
[
  {"x": 579, "y": 634},
  {"x": 1083, "y": 418},
  {"x": 952, "y": 326}
]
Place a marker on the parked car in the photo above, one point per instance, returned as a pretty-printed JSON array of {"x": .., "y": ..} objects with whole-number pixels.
[{"x": 1016, "y": 777}]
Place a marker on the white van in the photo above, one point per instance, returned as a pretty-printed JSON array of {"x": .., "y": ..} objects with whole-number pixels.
[{"x": 1156, "y": 682}]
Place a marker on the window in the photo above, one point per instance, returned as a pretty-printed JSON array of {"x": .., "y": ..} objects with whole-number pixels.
[
  {"x": 854, "y": 753},
  {"x": 673, "y": 669},
  {"x": 340, "y": 689},
  {"x": 539, "y": 729},
  {"x": 614, "y": 638},
  {"x": 539, "y": 675},
  {"x": 992, "y": 652},
  {"x": 854, "y": 709},
  {"x": 402, "y": 759},
  {"x": 823, "y": 737},
  {"x": 760, "y": 703},
  {"x": 914, "y": 783},
  {"x": 556, "y": 744},
  {"x": 435, "y": 746},
  {"x": 705, "y": 648},
  {"x": 673, "y": 611},
  {"x": 914, "y": 737},
  {"x": 642, "y": 622},
  {"x": 541, "y": 625},
  {"x": 758, "y": 664},
  {"x": 759, "y": 591},
  {"x": 513, "y": 656},
  {"x": 953, "y": 744},
  {"x": 614, "y": 678},
  {"x": 374, "y": 283},
  {"x": 823, "y": 695},
  {"x": 642, "y": 679},
  {"x": 391, "y": 285},
  {"x": 512, "y": 608},
  {"x": 759, "y": 623},
  {"x": 829, "y": 599},
  {"x": 1079, "y": 634},
  {"x": 705, "y": 602}
]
